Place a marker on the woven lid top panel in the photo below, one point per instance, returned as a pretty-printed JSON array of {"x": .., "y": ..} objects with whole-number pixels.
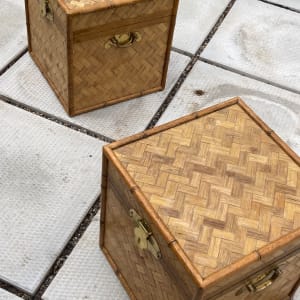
[
  {"x": 90, "y": 5},
  {"x": 220, "y": 183}
]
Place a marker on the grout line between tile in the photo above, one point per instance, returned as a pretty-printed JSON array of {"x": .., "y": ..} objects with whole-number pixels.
[
  {"x": 280, "y": 5},
  {"x": 13, "y": 61},
  {"x": 14, "y": 290},
  {"x": 189, "y": 67},
  {"x": 60, "y": 260},
  {"x": 257, "y": 78},
  {"x": 182, "y": 52},
  {"x": 57, "y": 120}
]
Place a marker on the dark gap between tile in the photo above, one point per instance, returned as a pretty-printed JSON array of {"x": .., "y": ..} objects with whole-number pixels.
[
  {"x": 245, "y": 74},
  {"x": 280, "y": 5},
  {"x": 189, "y": 67},
  {"x": 11, "y": 63},
  {"x": 57, "y": 120}
]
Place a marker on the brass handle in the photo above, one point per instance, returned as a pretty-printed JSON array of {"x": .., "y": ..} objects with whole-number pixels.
[
  {"x": 261, "y": 282},
  {"x": 144, "y": 238},
  {"x": 123, "y": 40},
  {"x": 46, "y": 10}
]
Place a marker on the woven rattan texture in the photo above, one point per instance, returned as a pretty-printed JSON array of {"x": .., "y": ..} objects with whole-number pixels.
[
  {"x": 81, "y": 4},
  {"x": 118, "y": 72},
  {"x": 279, "y": 290},
  {"x": 145, "y": 275},
  {"x": 222, "y": 186},
  {"x": 48, "y": 46},
  {"x": 96, "y": 18},
  {"x": 167, "y": 278}
]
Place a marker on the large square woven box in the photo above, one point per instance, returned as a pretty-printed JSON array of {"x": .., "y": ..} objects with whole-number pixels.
[
  {"x": 205, "y": 207},
  {"x": 99, "y": 52}
]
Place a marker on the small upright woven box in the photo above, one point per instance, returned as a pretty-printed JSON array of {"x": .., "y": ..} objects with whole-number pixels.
[
  {"x": 205, "y": 207},
  {"x": 99, "y": 52}
]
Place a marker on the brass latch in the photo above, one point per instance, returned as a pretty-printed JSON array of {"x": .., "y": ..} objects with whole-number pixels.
[
  {"x": 261, "y": 282},
  {"x": 46, "y": 10},
  {"x": 123, "y": 40},
  {"x": 143, "y": 235}
]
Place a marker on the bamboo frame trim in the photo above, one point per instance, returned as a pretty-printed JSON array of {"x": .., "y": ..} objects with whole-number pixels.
[
  {"x": 96, "y": 7},
  {"x": 243, "y": 262}
]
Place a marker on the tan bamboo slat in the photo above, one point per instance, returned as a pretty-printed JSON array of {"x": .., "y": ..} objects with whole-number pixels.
[
  {"x": 221, "y": 193},
  {"x": 69, "y": 45}
]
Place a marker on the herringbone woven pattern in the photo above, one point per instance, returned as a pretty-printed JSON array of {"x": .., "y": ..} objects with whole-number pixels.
[
  {"x": 49, "y": 46},
  {"x": 144, "y": 274},
  {"x": 221, "y": 185},
  {"x": 147, "y": 277},
  {"x": 118, "y": 72},
  {"x": 143, "y": 8}
]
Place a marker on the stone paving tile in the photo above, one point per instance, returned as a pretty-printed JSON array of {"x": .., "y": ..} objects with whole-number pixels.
[
  {"x": 4, "y": 295},
  {"x": 13, "y": 37},
  {"x": 86, "y": 274},
  {"x": 49, "y": 178},
  {"x": 24, "y": 82},
  {"x": 261, "y": 40},
  {"x": 194, "y": 21},
  {"x": 288, "y": 3},
  {"x": 279, "y": 108}
]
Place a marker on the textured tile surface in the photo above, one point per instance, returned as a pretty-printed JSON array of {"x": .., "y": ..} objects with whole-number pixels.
[
  {"x": 13, "y": 30},
  {"x": 259, "y": 39},
  {"x": 288, "y": 3},
  {"x": 25, "y": 83},
  {"x": 86, "y": 274},
  {"x": 297, "y": 295},
  {"x": 4, "y": 295},
  {"x": 280, "y": 109},
  {"x": 194, "y": 22},
  {"x": 49, "y": 178}
]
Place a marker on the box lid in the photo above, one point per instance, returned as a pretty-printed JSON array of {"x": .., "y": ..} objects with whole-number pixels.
[
  {"x": 84, "y": 6},
  {"x": 221, "y": 180}
]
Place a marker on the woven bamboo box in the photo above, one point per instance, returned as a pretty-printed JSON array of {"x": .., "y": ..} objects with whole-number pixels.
[
  {"x": 204, "y": 207},
  {"x": 96, "y": 53}
]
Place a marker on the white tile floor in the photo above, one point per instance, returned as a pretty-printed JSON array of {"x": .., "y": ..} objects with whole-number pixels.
[
  {"x": 49, "y": 178},
  {"x": 74, "y": 282},
  {"x": 259, "y": 39},
  {"x": 7, "y": 296},
  {"x": 188, "y": 21},
  {"x": 288, "y": 3},
  {"x": 13, "y": 37},
  {"x": 50, "y": 174}
]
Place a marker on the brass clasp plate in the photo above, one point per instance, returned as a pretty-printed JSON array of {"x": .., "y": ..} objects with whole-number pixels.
[
  {"x": 261, "y": 282},
  {"x": 123, "y": 40},
  {"x": 143, "y": 235},
  {"x": 46, "y": 10}
]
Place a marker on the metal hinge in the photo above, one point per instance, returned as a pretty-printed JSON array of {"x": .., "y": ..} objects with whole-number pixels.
[
  {"x": 46, "y": 10},
  {"x": 143, "y": 235}
]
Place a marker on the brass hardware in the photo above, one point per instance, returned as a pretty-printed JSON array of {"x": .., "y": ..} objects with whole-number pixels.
[
  {"x": 143, "y": 235},
  {"x": 46, "y": 10},
  {"x": 123, "y": 40},
  {"x": 261, "y": 282}
]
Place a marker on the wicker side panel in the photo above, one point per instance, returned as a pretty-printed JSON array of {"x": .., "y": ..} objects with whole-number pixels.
[
  {"x": 98, "y": 18},
  {"x": 104, "y": 75},
  {"x": 49, "y": 46},
  {"x": 279, "y": 290},
  {"x": 147, "y": 277}
]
